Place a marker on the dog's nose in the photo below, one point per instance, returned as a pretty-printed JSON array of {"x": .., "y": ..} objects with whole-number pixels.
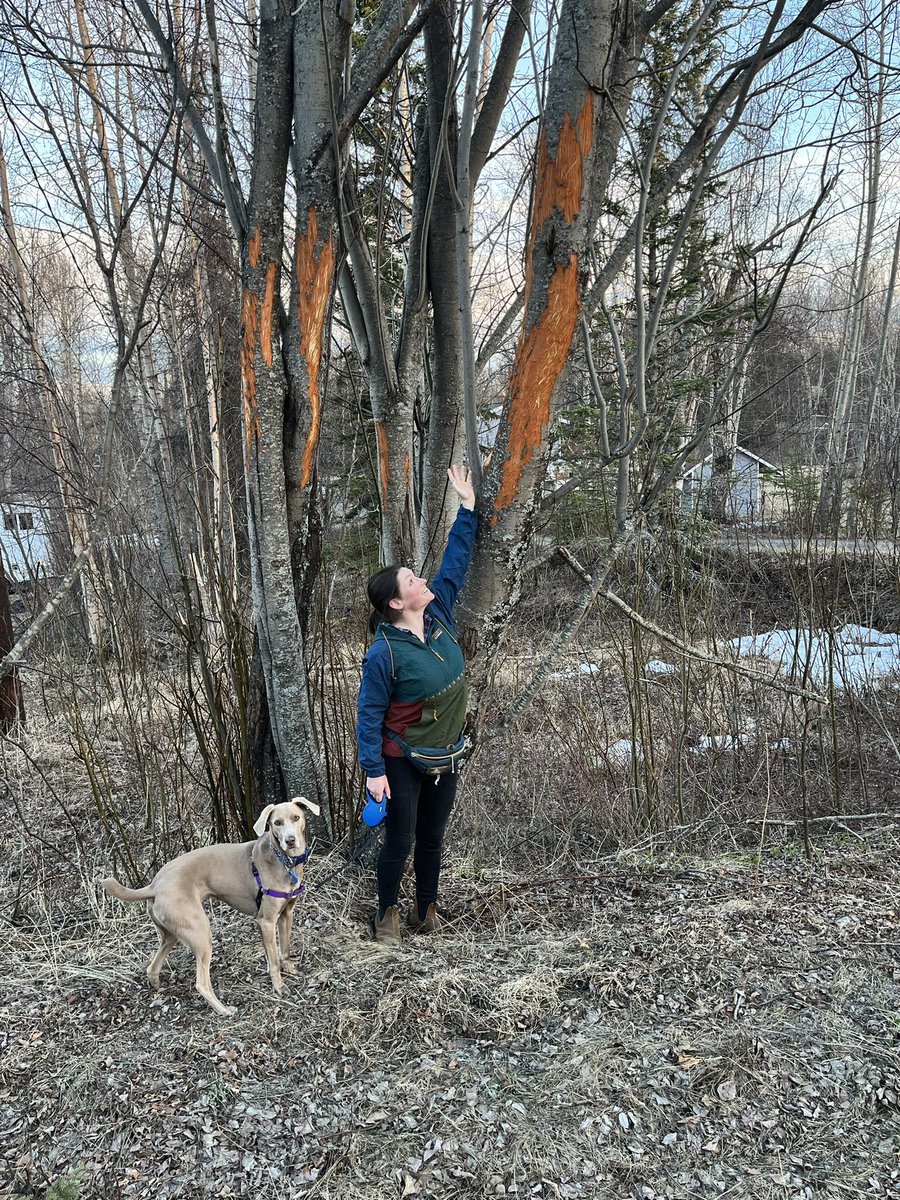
[{"x": 290, "y": 841}]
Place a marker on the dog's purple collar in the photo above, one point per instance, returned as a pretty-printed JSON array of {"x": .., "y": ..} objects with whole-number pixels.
[
  {"x": 272, "y": 891},
  {"x": 287, "y": 863}
]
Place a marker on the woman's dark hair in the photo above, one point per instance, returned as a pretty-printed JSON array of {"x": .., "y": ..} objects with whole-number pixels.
[{"x": 382, "y": 589}]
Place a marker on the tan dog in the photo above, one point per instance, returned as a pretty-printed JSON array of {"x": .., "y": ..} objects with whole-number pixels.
[{"x": 261, "y": 878}]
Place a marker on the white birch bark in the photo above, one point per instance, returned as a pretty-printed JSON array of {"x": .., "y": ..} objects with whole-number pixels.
[
  {"x": 861, "y": 447},
  {"x": 73, "y": 509},
  {"x": 831, "y": 497}
]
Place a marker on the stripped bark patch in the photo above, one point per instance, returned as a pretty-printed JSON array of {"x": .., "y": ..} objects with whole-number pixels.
[
  {"x": 314, "y": 274},
  {"x": 540, "y": 358},
  {"x": 382, "y": 444},
  {"x": 265, "y": 316},
  {"x": 253, "y": 248},
  {"x": 406, "y": 471},
  {"x": 248, "y": 374},
  {"x": 543, "y": 348},
  {"x": 559, "y": 180}
]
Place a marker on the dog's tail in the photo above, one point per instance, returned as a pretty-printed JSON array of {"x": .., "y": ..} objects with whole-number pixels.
[{"x": 112, "y": 887}]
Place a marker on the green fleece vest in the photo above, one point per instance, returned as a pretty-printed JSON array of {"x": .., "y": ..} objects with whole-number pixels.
[{"x": 429, "y": 673}]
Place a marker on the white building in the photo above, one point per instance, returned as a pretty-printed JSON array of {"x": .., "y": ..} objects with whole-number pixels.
[
  {"x": 24, "y": 539},
  {"x": 746, "y": 499}
]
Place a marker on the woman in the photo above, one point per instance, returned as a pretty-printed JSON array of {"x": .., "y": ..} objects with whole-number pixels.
[{"x": 413, "y": 691}]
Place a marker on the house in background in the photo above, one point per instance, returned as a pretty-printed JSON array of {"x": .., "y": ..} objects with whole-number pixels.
[
  {"x": 751, "y": 486},
  {"x": 24, "y": 538}
]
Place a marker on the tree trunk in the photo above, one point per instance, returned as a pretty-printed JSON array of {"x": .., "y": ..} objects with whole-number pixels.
[
  {"x": 590, "y": 84},
  {"x": 860, "y": 449},
  {"x": 12, "y": 706},
  {"x": 73, "y": 511},
  {"x": 723, "y": 440},
  {"x": 830, "y": 513},
  {"x": 446, "y": 430},
  {"x": 273, "y": 412},
  {"x": 142, "y": 387}
]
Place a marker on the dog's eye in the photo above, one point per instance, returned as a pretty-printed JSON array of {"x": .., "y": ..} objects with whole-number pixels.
[
  {"x": 297, "y": 818},
  {"x": 279, "y": 821}
]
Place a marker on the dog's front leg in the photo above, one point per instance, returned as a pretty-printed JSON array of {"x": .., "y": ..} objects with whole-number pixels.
[
  {"x": 267, "y": 933},
  {"x": 284, "y": 938}
]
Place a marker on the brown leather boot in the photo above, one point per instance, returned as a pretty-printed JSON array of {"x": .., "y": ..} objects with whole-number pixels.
[
  {"x": 430, "y": 923},
  {"x": 387, "y": 928}
]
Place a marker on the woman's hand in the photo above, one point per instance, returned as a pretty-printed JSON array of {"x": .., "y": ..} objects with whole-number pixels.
[
  {"x": 378, "y": 787},
  {"x": 461, "y": 482}
]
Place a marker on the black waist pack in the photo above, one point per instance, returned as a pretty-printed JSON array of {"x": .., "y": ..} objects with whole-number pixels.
[{"x": 432, "y": 760}]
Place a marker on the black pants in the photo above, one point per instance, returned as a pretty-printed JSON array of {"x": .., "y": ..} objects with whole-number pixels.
[{"x": 417, "y": 811}]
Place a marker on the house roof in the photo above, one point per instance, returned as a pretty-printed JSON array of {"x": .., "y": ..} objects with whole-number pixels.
[
  {"x": 738, "y": 450},
  {"x": 18, "y": 499}
]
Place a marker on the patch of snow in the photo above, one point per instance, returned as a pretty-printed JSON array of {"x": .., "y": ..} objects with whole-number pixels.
[
  {"x": 852, "y": 656},
  {"x": 574, "y": 672},
  {"x": 657, "y": 667},
  {"x": 717, "y": 741},
  {"x": 620, "y": 753}
]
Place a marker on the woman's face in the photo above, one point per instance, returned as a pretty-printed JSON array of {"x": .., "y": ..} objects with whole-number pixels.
[{"x": 413, "y": 593}]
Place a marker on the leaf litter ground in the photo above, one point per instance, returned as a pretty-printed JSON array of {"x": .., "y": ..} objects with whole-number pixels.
[{"x": 626, "y": 1028}]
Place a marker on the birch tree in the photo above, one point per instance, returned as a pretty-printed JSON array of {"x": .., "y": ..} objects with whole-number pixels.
[
  {"x": 286, "y": 171},
  {"x": 870, "y": 84},
  {"x": 595, "y": 63}
]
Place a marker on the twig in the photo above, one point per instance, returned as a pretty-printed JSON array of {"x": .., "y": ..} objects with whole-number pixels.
[
  {"x": 563, "y": 636},
  {"x": 833, "y": 819}
]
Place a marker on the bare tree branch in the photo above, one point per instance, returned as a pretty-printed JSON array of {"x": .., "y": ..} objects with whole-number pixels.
[
  {"x": 741, "y": 74},
  {"x": 218, "y": 166},
  {"x": 498, "y": 88},
  {"x": 682, "y": 647}
]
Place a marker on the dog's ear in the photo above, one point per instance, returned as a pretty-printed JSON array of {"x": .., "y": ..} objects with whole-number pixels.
[
  {"x": 262, "y": 821},
  {"x": 310, "y": 804}
]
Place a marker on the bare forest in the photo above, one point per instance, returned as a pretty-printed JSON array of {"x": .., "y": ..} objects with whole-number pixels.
[{"x": 268, "y": 269}]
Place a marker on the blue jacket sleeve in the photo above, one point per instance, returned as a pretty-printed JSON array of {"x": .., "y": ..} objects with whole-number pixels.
[
  {"x": 452, "y": 571},
  {"x": 371, "y": 705}
]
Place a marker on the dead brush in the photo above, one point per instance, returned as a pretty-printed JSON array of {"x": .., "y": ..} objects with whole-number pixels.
[
  {"x": 567, "y": 1040},
  {"x": 459, "y": 999},
  {"x": 614, "y": 756},
  {"x": 454, "y": 998}
]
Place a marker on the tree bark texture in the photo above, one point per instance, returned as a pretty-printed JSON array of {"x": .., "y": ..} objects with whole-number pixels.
[
  {"x": 445, "y": 426},
  {"x": 12, "y": 707},
  {"x": 280, "y": 416},
  {"x": 595, "y": 49}
]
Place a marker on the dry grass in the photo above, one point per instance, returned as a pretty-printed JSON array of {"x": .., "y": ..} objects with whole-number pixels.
[{"x": 622, "y": 1027}]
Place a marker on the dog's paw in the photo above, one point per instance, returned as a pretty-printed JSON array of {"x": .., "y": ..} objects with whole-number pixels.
[
  {"x": 224, "y": 1010},
  {"x": 289, "y": 968}
]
